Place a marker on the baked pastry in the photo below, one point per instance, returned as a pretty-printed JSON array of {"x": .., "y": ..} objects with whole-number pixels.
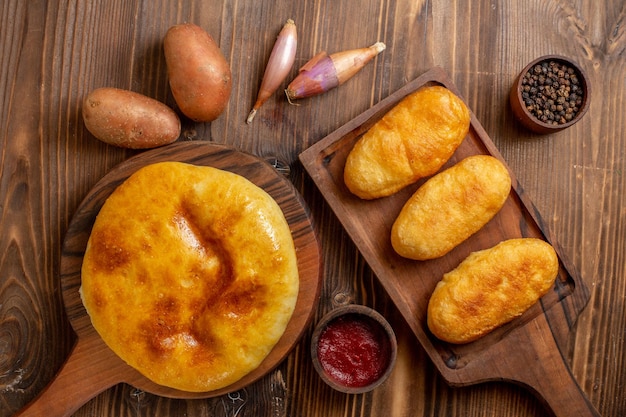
[
  {"x": 190, "y": 275},
  {"x": 412, "y": 141},
  {"x": 450, "y": 207},
  {"x": 490, "y": 288}
]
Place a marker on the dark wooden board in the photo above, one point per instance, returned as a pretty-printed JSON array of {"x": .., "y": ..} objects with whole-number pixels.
[
  {"x": 409, "y": 283},
  {"x": 92, "y": 367}
]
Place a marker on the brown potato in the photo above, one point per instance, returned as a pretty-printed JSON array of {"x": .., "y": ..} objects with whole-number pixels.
[
  {"x": 490, "y": 288},
  {"x": 200, "y": 77},
  {"x": 412, "y": 141},
  {"x": 450, "y": 207},
  {"x": 128, "y": 119}
]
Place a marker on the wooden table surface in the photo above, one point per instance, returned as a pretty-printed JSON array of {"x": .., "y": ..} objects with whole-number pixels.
[{"x": 54, "y": 52}]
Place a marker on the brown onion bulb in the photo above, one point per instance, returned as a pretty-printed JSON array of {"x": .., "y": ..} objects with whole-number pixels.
[{"x": 281, "y": 60}]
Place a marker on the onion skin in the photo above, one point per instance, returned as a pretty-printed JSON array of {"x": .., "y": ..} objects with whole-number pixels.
[
  {"x": 325, "y": 72},
  {"x": 278, "y": 66}
]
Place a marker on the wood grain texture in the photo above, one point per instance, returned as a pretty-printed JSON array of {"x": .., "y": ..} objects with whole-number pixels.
[{"x": 54, "y": 52}]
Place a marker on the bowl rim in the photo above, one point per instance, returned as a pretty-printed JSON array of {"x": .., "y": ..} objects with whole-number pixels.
[
  {"x": 586, "y": 86},
  {"x": 358, "y": 310}
]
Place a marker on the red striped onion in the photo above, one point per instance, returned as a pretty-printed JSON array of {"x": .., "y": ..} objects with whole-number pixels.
[{"x": 325, "y": 72}]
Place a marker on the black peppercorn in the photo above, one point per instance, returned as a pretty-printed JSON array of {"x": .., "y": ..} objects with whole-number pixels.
[{"x": 552, "y": 92}]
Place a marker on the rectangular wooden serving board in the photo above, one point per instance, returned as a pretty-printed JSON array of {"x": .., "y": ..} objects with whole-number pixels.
[{"x": 410, "y": 283}]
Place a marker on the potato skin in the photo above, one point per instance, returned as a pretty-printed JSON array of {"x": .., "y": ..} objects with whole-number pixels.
[
  {"x": 199, "y": 76},
  {"x": 412, "y": 141},
  {"x": 490, "y": 288},
  {"x": 450, "y": 207},
  {"x": 130, "y": 120}
]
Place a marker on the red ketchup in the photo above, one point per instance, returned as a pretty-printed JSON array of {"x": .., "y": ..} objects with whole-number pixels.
[{"x": 354, "y": 350}]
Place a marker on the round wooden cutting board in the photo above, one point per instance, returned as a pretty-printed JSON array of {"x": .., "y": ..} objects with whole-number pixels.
[{"x": 92, "y": 367}]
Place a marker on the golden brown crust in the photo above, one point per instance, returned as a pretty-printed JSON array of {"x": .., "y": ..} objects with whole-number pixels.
[
  {"x": 490, "y": 288},
  {"x": 413, "y": 140},
  {"x": 450, "y": 207},
  {"x": 190, "y": 275}
]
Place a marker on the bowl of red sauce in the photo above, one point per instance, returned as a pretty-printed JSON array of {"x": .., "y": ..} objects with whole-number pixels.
[{"x": 353, "y": 349}]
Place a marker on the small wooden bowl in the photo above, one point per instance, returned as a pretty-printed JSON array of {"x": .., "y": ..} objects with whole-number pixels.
[
  {"x": 372, "y": 320},
  {"x": 529, "y": 120}
]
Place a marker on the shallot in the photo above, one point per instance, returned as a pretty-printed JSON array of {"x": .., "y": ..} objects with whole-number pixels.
[
  {"x": 325, "y": 72},
  {"x": 278, "y": 66}
]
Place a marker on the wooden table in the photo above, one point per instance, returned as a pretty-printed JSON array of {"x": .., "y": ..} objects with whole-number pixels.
[{"x": 54, "y": 52}]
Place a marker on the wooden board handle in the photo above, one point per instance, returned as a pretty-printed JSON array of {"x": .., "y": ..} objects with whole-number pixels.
[
  {"x": 529, "y": 356},
  {"x": 540, "y": 366},
  {"x": 559, "y": 389},
  {"x": 87, "y": 372}
]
